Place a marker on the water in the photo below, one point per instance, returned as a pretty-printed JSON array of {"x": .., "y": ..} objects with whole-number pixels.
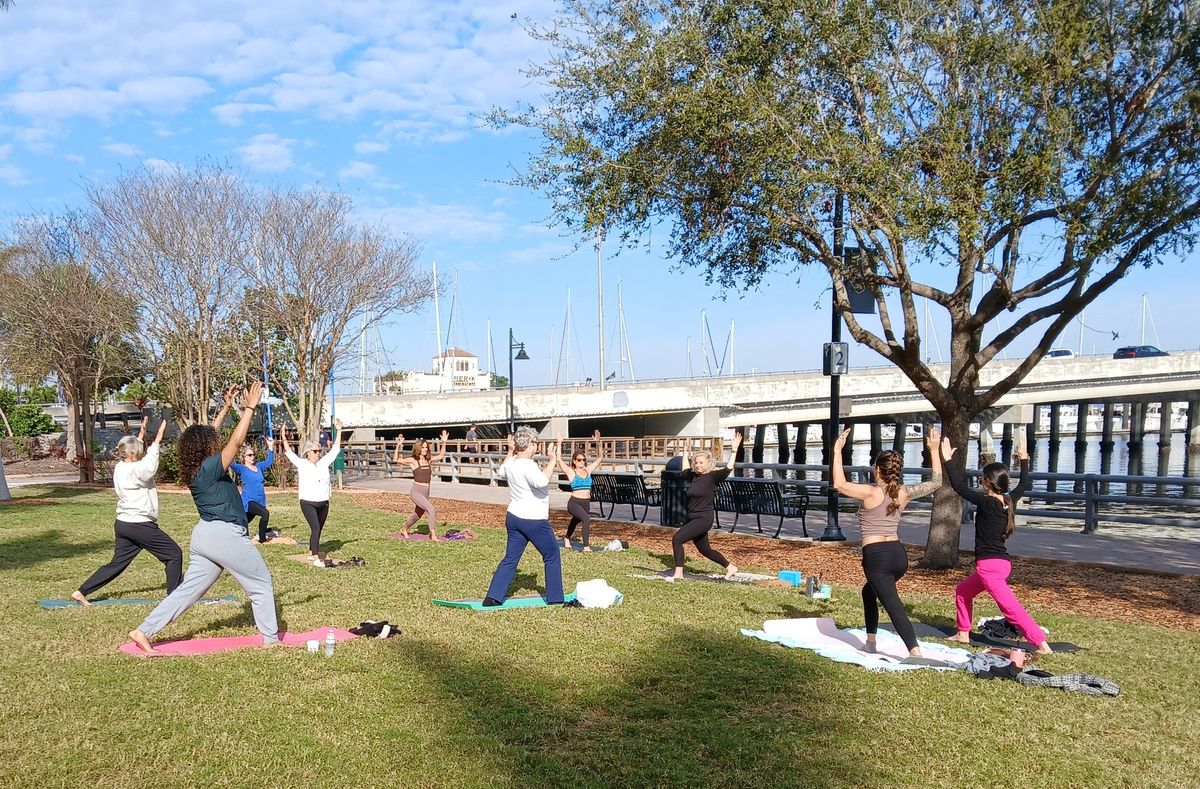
[{"x": 1039, "y": 455}]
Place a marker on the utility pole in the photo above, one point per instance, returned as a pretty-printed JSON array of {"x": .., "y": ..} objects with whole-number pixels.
[
  {"x": 833, "y": 532},
  {"x": 600, "y": 300}
]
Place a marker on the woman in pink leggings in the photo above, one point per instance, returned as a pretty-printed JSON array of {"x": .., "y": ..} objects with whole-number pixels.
[{"x": 995, "y": 519}]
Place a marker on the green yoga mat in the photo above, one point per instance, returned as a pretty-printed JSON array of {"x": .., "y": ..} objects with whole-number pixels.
[
  {"x": 525, "y": 601},
  {"x": 229, "y": 598}
]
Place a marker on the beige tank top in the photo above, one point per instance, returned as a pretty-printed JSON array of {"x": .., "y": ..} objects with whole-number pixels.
[{"x": 875, "y": 522}]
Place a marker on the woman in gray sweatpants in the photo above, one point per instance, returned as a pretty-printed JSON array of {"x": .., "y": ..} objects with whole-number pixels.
[{"x": 220, "y": 540}]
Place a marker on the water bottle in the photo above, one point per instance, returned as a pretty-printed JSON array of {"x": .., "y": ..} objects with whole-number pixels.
[
  {"x": 809, "y": 585},
  {"x": 330, "y": 643}
]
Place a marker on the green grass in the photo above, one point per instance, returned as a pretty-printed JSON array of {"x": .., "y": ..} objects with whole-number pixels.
[{"x": 660, "y": 691}]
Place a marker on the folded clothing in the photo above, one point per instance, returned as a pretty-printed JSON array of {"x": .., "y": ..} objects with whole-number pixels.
[
  {"x": 1087, "y": 684},
  {"x": 373, "y": 629}
]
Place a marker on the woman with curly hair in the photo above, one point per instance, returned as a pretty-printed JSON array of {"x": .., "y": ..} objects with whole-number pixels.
[
  {"x": 884, "y": 560},
  {"x": 137, "y": 515},
  {"x": 220, "y": 540},
  {"x": 421, "y": 462}
]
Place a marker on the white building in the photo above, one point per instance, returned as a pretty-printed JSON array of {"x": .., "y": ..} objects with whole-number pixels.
[{"x": 454, "y": 370}]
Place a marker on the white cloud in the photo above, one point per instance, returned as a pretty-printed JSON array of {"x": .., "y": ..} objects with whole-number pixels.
[
  {"x": 161, "y": 165},
  {"x": 445, "y": 221},
  {"x": 368, "y": 147},
  {"x": 231, "y": 113},
  {"x": 9, "y": 173},
  {"x": 358, "y": 170},
  {"x": 268, "y": 152},
  {"x": 121, "y": 149}
]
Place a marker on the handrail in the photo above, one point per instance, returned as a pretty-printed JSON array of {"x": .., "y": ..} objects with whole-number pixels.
[{"x": 483, "y": 467}]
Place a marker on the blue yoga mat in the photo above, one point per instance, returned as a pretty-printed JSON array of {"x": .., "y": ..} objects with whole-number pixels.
[
  {"x": 525, "y": 601},
  {"x": 229, "y": 598}
]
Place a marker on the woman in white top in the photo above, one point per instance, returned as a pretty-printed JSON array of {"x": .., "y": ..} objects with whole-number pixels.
[
  {"x": 528, "y": 517},
  {"x": 137, "y": 515},
  {"x": 313, "y": 473}
]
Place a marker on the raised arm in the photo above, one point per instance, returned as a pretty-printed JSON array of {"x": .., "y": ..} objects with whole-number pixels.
[
  {"x": 292, "y": 457},
  {"x": 253, "y": 395},
  {"x": 737, "y": 443},
  {"x": 330, "y": 456},
  {"x": 269, "y": 460},
  {"x": 958, "y": 480},
  {"x": 441, "y": 455},
  {"x": 933, "y": 438},
  {"x": 147, "y": 467},
  {"x": 502, "y": 472},
  {"x": 1022, "y": 458},
  {"x": 595, "y": 464},
  {"x": 555, "y": 457},
  {"x": 855, "y": 490},
  {"x": 219, "y": 419}
]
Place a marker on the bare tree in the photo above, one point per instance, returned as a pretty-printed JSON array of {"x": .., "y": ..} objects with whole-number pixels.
[
  {"x": 320, "y": 273},
  {"x": 178, "y": 239},
  {"x": 58, "y": 317}
]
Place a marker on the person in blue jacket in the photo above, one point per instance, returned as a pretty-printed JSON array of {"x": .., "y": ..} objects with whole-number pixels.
[{"x": 254, "y": 494}]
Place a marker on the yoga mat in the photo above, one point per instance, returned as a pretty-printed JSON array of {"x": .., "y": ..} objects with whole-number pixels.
[
  {"x": 229, "y": 598},
  {"x": 822, "y": 636},
  {"x": 308, "y": 560},
  {"x": 418, "y": 537},
  {"x": 278, "y": 541},
  {"x": 923, "y": 630},
  {"x": 524, "y": 601},
  {"x": 208, "y": 646},
  {"x": 738, "y": 578}
]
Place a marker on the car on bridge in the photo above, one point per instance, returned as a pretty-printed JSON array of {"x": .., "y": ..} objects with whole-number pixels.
[
  {"x": 1060, "y": 353},
  {"x": 1138, "y": 352}
]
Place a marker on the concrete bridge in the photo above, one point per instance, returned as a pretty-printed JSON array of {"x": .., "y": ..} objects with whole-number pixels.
[{"x": 702, "y": 406}]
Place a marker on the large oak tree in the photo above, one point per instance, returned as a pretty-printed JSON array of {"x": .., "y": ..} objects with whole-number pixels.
[{"x": 1007, "y": 160}]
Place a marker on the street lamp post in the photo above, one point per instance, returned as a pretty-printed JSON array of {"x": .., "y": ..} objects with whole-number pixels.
[
  {"x": 833, "y": 531},
  {"x": 513, "y": 346}
]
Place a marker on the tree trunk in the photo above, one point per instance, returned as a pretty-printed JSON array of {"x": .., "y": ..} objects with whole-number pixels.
[
  {"x": 4, "y": 494},
  {"x": 87, "y": 465},
  {"x": 7, "y": 426},
  {"x": 941, "y": 550}
]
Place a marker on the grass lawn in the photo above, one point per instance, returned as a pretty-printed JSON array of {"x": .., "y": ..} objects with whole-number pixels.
[{"x": 659, "y": 691}]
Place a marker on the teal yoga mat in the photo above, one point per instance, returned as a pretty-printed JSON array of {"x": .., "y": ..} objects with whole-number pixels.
[
  {"x": 525, "y": 601},
  {"x": 229, "y": 598}
]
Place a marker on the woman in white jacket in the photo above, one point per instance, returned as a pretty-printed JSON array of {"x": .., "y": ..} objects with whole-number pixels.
[
  {"x": 313, "y": 472},
  {"x": 137, "y": 516}
]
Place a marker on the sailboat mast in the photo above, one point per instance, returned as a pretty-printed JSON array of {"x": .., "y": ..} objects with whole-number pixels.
[
  {"x": 437, "y": 326},
  {"x": 600, "y": 300},
  {"x": 732, "y": 350}
]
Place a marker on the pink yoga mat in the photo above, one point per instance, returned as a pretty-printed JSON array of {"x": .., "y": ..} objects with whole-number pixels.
[
  {"x": 416, "y": 537},
  {"x": 207, "y": 646}
]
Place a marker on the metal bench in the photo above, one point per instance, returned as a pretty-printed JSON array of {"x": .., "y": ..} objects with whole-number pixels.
[
  {"x": 614, "y": 489},
  {"x": 758, "y": 497}
]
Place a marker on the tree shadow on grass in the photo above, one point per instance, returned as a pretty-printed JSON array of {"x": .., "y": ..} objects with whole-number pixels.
[
  {"x": 702, "y": 709},
  {"x": 525, "y": 582},
  {"x": 47, "y": 546},
  {"x": 40, "y": 492},
  {"x": 330, "y": 546}
]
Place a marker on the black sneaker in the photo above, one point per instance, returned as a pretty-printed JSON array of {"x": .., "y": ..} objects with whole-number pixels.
[{"x": 491, "y": 602}]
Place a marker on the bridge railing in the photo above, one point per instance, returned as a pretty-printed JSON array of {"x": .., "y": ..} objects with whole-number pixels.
[{"x": 1091, "y": 505}]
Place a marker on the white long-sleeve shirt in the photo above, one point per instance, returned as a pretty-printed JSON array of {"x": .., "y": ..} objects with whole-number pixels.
[
  {"x": 314, "y": 477},
  {"x": 528, "y": 489},
  {"x": 137, "y": 496}
]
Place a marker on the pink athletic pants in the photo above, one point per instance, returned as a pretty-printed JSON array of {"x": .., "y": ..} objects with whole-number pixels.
[{"x": 992, "y": 575}]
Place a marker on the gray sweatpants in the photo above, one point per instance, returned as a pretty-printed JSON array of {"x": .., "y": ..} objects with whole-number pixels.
[{"x": 218, "y": 546}]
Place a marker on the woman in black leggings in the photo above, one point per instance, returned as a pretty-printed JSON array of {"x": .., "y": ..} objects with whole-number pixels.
[
  {"x": 702, "y": 489},
  {"x": 579, "y": 475},
  {"x": 884, "y": 560}
]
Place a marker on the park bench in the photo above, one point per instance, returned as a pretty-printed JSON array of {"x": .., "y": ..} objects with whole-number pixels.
[
  {"x": 759, "y": 497},
  {"x": 614, "y": 489}
]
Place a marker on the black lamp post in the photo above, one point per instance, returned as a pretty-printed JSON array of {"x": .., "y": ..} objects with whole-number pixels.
[
  {"x": 520, "y": 347},
  {"x": 833, "y": 531}
]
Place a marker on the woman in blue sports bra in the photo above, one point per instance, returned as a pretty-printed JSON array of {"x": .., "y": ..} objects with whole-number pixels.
[{"x": 579, "y": 474}]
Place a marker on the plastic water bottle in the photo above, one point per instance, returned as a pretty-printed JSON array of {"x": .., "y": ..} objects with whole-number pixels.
[{"x": 330, "y": 643}]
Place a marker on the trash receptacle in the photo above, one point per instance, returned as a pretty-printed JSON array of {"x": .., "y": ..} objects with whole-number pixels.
[{"x": 674, "y": 494}]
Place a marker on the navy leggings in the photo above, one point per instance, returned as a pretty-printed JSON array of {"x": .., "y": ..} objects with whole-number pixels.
[{"x": 521, "y": 532}]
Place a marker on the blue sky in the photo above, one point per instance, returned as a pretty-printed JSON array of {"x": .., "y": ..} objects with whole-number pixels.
[{"x": 382, "y": 100}]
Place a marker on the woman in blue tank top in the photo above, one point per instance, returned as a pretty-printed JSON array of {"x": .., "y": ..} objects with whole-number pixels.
[{"x": 579, "y": 474}]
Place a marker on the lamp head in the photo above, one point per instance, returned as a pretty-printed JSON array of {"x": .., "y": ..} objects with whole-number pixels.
[{"x": 521, "y": 355}]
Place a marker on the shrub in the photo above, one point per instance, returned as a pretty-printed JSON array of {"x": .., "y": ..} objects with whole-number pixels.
[
  {"x": 29, "y": 420},
  {"x": 14, "y": 448},
  {"x": 168, "y": 463}
]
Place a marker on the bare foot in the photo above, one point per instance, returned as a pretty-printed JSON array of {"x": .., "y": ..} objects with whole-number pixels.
[
  {"x": 1044, "y": 649},
  {"x": 78, "y": 597},
  {"x": 915, "y": 652},
  {"x": 566, "y": 543},
  {"x": 587, "y": 549},
  {"x": 139, "y": 638},
  {"x": 678, "y": 576},
  {"x": 404, "y": 534},
  {"x": 433, "y": 537},
  {"x": 731, "y": 571},
  {"x": 869, "y": 646},
  {"x": 960, "y": 637},
  {"x": 271, "y": 645}
]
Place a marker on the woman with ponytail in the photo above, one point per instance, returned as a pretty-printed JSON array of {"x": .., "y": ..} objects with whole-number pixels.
[
  {"x": 995, "y": 519},
  {"x": 884, "y": 560}
]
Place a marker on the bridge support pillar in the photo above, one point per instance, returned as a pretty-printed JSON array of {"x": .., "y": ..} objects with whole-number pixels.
[
  {"x": 781, "y": 439},
  {"x": 558, "y": 425},
  {"x": 1081, "y": 423},
  {"x": 760, "y": 442},
  {"x": 1031, "y": 435},
  {"x": 876, "y": 440},
  {"x": 900, "y": 436},
  {"x": 1106, "y": 444},
  {"x": 800, "y": 448},
  {"x": 1137, "y": 434},
  {"x": 1191, "y": 441},
  {"x": 741, "y": 453},
  {"x": 848, "y": 450},
  {"x": 987, "y": 446},
  {"x": 1164, "y": 444},
  {"x": 1006, "y": 444},
  {"x": 1055, "y": 443}
]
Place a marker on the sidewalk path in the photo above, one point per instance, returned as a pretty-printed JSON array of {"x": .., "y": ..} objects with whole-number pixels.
[{"x": 1162, "y": 555}]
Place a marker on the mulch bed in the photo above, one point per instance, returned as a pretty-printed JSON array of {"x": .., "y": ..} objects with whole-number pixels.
[{"x": 1072, "y": 587}]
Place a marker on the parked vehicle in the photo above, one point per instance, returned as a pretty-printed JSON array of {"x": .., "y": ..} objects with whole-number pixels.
[
  {"x": 1138, "y": 352},
  {"x": 1060, "y": 353}
]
